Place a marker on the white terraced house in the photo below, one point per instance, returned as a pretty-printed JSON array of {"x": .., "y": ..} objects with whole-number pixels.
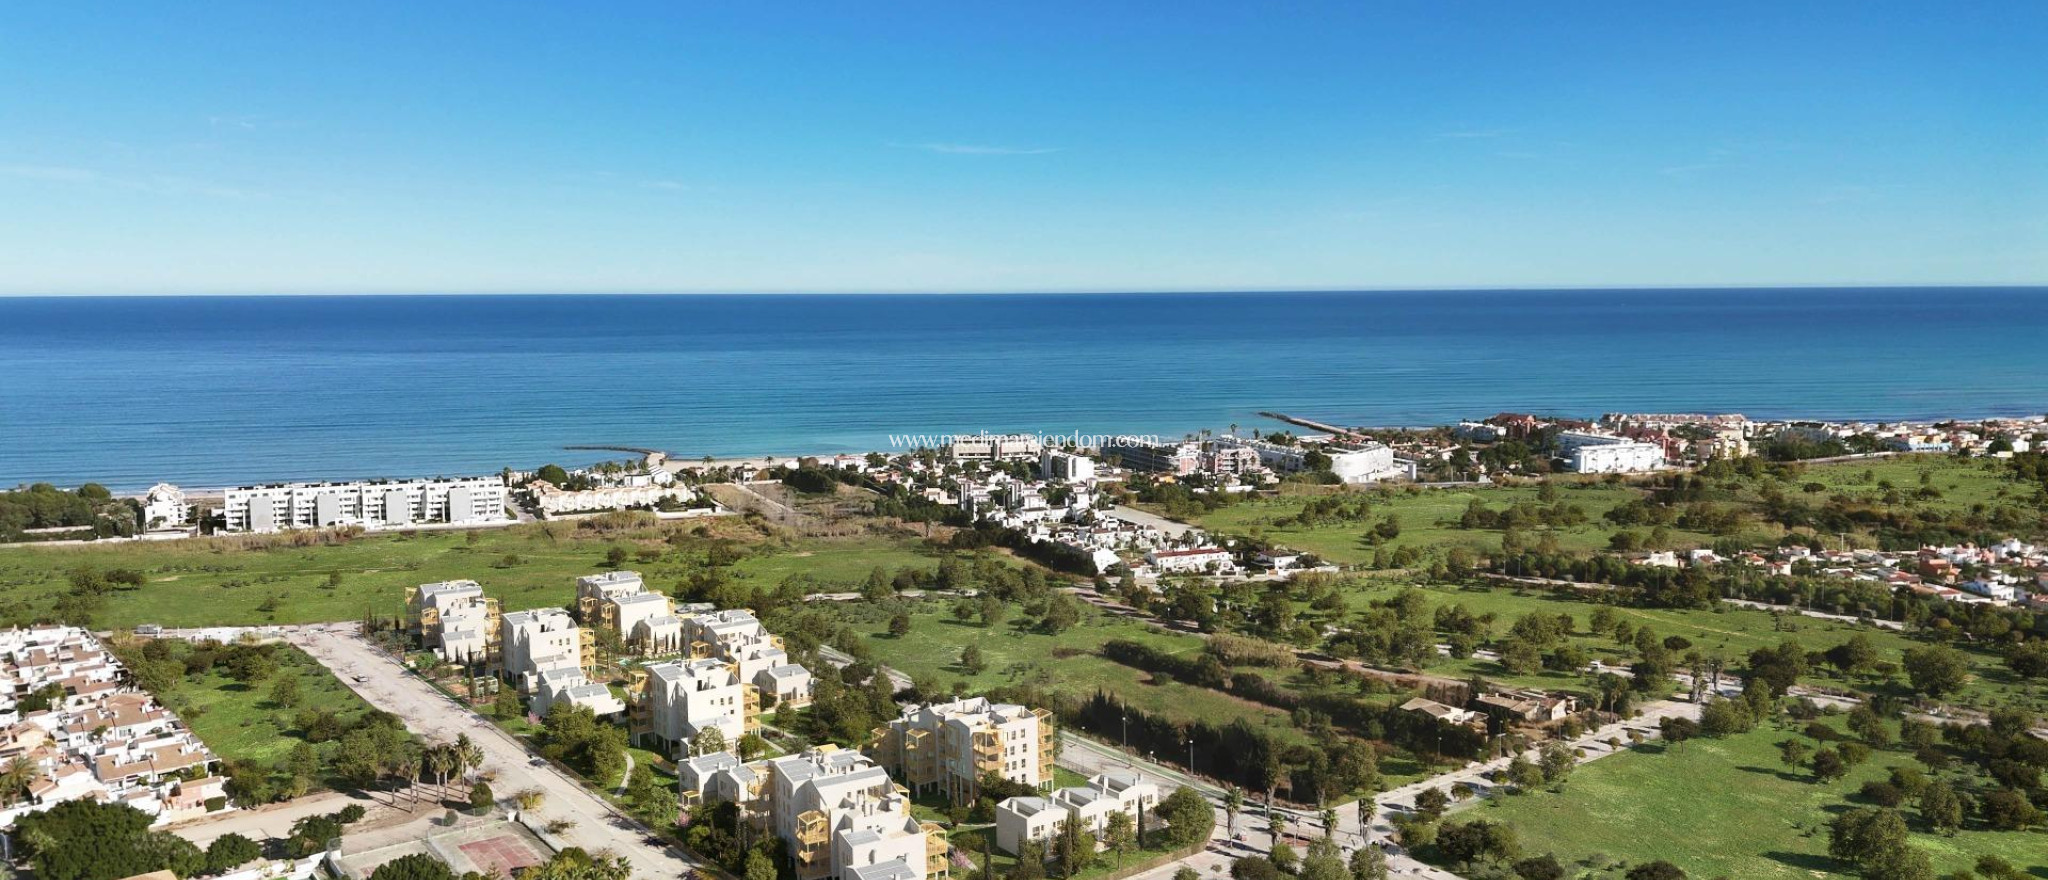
[
  {"x": 1019, "y": 819},
  {"x": 99, "y": 736},
  {"x": 370, "y": 504},
  {"x": 842, "y": 817}
]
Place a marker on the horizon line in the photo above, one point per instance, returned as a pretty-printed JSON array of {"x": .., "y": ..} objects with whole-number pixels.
[{"x": 1134, "y": 291}]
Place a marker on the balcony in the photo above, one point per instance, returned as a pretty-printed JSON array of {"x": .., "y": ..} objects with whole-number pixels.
[
  {"x": 936, "y": 850},
  {"x": 811, "y": 836}
]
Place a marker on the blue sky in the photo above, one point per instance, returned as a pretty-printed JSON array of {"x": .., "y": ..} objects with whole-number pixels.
[{"x": 447, "y": 147}]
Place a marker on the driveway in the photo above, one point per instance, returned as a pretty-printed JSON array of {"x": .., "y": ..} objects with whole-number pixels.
[{"x": 436, "y": 717}]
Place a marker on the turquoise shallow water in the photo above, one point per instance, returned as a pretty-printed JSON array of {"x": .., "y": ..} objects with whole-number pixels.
[{"x": 209, "y": 391}]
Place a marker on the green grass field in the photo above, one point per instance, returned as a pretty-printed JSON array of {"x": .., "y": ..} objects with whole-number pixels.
[
  {"x": 239, "y": 721},
  {"x": 1428, "y": 520},
  {"x": 250, "y": 582},
  {"x": 1064, "y": 663},
  {"x": 1720, "y": 807},
  {"x": 1731, "y": 630}
]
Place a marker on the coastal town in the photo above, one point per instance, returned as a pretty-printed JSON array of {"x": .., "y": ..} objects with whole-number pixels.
[{"x": 758, "y": 731}]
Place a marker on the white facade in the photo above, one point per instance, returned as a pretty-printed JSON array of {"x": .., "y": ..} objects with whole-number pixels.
[
  {"x": 164, "y": 507},
  {"x": 104, "y": 739},
  {"x": 1607, "y": 454},
  {"x": 843, "y": 817},
  {"x": 373, "y": 505},
  {"x": 462, "y": 620},
  {"x": 1065, "y": 467},
  {"x": 951, "y": 746},
  {"x": 620, "y": 601},
  {"x": 1036, "y": 818},
  {"x": 537, "y": 642},
  {"x": 995, "y": 447},
  {"x": 552, "y": 499},
  {"x": 1365, "y": 463},
  {"x": 685, "y": 698},
  {"x": 1198, "y": 560}
]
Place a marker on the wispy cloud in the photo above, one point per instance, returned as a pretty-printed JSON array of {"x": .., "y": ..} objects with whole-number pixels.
[
  {"x": 158, "y": 184},
  {"x": 981, "y": 149},
  {"x": 1473, "y": 133}
]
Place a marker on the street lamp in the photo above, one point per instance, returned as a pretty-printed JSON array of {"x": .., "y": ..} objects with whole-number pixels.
[{"x": 1127, "y": 729}]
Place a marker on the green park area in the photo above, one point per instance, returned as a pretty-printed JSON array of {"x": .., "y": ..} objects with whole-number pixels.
[
  {"x": 269, "y": 711},
  {"x": 1730, "y": 505},
  {"x": 1724, "y": 807},
  {"x": 307, "y": 578}
]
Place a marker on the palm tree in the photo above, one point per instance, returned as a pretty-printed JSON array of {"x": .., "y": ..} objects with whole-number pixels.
[
  {"x": 1329, "y": 823},
  {"x": 439, "y": 761},
  {"x": 1279, "y": 828},
  {"x": 472, "y": 754},
  {"x": 16, "y": 779},
  {"x": 409, "y": 767},
  {"x": 1233, "y": 801}
]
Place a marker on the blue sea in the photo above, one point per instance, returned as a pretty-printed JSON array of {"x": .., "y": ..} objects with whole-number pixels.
[{"x": 210, "y": 391}]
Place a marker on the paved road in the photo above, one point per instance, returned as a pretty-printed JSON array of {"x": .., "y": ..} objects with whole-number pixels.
[
  {"x": 1134, "y": 515},
  {"x": 433, "y": 715},
  {"x": 274, "y": 820}
]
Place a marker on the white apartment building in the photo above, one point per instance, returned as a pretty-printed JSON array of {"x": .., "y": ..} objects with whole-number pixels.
[
  {"x": 164, "y": 507},
  {"x": 456, "y": 621},
  {"x": 554, "y": 500},
  {"x": 950, "y": 746},
  {"x": 1194, "y": 560},
  {"x": 104, "y": 739},
  {"x": 1019, "y": 819},
  {"x": 736, "y": 636},
  {"x": 1065, "y": 467},
  {"x": 1590, "y": 453},
  {"x": 621, "y": 602},
  {"x": 680, "y": 699},
  {"x": 720, "y": 777},
  {"x": 570, "y": 685},
  {"x": 370, "y": 504},
  {"x": 842, "y": 817},
  {"x": 1362, "y": 463},
  {"x": 995, "y": 447},
  {"x": 542, "y": 640}
]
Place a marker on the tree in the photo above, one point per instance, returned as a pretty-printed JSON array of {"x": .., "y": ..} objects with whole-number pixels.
[
  {"x": 1187, "y": 815},
  {"x": 759, "y": 866},
  {"x": 1120, "y": 834},
  {"x": 1233, "y": 804},
  {"x": 752, "y": 746},
  {"x": 413, "y": 866},
  {"x": 89, "y": 840},
  {"x": 1941, "y": 808},
  {"x": 1367, "y": 863},
  {"x": 1874, "y": 841},
  {"x": 285, "y": 693},
  {"x": 1543, "y": 867},
  {"x": 2007, "y": 809},
  {"x": 1430, "y": 804},
  {"x": 1557, "y": 762},
  {"x": 230, "y": 851},
  {"x": 709, "y": 741},
  {"x": 1936, "y": 670},
  {"x": 971, "y": 660},
  {"x": 1324, "y": 862},
  {"x": 480, "y": 797},
  {"x": 1524, "y": 775},
  {"x": 899, "y": 625},
  {"x": 1828, "y": 765},
  {"x": 1793, "y": 752},
  {"x": 1657, "y": 870}
]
